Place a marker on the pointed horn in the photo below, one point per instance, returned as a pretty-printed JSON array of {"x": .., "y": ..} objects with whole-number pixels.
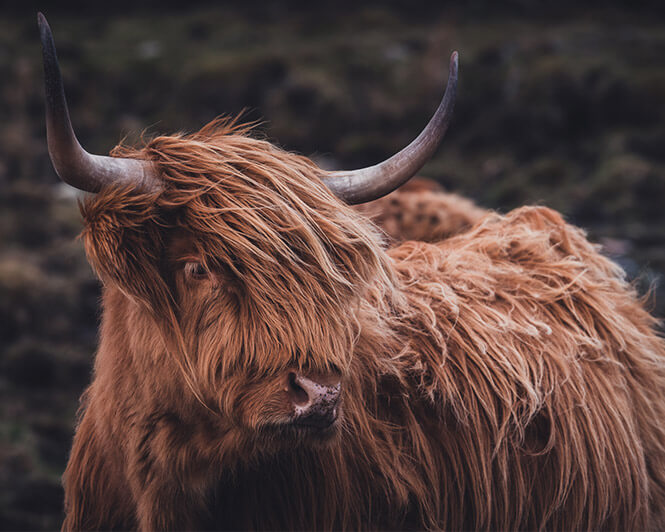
[
  {"x": 367, "y": 184},
  {"x": 72, "y": 163}
]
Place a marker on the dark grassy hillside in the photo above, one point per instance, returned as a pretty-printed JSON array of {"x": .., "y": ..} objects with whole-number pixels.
[{"x": 564, "y": 108}]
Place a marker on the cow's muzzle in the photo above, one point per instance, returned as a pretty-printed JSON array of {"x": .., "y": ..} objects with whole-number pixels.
[{"x": 315, "y": 399}]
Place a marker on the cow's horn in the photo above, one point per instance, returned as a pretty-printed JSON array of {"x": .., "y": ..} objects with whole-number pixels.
[
  {"x": 366, "y": 184},
  {"x": 72, "y": 163}
]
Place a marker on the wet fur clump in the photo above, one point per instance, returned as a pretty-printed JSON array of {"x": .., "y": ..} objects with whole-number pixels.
[{"x": 504, "y": 378}]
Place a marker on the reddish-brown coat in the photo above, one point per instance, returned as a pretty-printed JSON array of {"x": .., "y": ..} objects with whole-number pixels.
[
  {"x": 504, "y": 378},
  {"x": 422, "y": 210}
]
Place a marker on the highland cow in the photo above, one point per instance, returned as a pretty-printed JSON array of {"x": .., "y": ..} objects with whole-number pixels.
[{"x": 266, "y": 362}]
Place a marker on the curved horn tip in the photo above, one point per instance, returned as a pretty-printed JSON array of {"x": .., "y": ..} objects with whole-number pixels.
[
  {"x": 44, "y": 27},
  {"x": 454, "y": 63}
]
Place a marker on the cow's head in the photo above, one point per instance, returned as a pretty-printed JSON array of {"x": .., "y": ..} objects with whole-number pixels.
[{"x": 241, "y": 261}]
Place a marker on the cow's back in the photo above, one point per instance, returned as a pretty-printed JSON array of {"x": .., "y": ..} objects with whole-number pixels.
[{"x": 551, "y": 380}]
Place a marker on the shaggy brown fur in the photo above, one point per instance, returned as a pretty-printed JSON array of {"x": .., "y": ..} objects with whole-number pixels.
[
  {"x": 422, "y": 210},
  {"x": 505, "y": 378}
]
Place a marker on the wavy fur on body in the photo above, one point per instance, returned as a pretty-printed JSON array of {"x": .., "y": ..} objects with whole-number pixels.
[
  {"x": 505, "y": 378},
  {"x": 422, "y": 210}
]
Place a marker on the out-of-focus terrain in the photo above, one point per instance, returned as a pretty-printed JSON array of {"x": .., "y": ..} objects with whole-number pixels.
[{"x": 565, "y": 109}]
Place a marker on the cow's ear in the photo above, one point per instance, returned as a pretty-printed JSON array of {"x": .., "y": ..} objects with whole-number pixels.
[{"x": 123, "y": 241}]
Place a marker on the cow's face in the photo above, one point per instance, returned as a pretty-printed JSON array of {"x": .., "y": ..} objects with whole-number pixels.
[{"x": 266, "y": 272}]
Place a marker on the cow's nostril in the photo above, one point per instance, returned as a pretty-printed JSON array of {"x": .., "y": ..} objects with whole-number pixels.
[
  {"x": 315, "y": 398},
  {"x": 297, "y": 394}
]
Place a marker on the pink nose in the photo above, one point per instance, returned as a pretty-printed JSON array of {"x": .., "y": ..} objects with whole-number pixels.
[{"x": 315, "y": 399}]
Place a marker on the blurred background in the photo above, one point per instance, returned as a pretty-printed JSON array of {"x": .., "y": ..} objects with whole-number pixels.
[{"x": 562, "y": 106}]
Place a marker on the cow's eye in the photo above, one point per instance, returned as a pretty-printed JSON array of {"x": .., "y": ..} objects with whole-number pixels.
[{"x": 195, "y": 270}]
